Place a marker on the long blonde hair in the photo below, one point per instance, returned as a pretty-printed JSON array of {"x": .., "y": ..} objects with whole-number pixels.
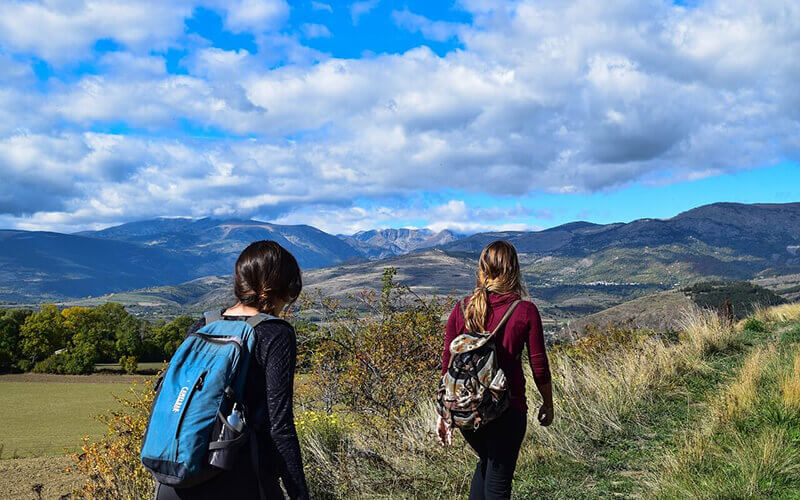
[{"x": 498, "y": 271}]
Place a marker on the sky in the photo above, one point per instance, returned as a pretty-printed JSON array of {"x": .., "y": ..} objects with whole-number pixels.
[{"x": 470, "y": 115}]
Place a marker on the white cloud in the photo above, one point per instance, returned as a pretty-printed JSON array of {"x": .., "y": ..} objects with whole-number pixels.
[
  {"x": 434, "y": 30},
  {"x": 311, "y": 30},
  {"x": 256, "y": 15},
  {"x": 62, "y": 31},
  {"x": 321, "y": 6},
  {"x": 359, "y": 9},
  {"x": 554, "y": 96}
]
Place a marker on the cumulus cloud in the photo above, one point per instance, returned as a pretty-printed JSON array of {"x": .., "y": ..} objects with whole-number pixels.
[
  {"x": 361, "y": 8},
  {"x": 256, "y": 15},
  {"x": 311, "y": 30},
  {"x": 540, "y": 96},
  {"x": 66, "y": 30},
  {"x": 433, "y": 30}
]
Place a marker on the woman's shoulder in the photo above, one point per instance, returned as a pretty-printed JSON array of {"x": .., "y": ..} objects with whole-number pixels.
[
  {"x": 275, "y": 329},
  {"x": 528, "y": 308}
]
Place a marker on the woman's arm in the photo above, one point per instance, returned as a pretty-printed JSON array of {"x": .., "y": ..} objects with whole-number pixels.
[
  {"x": 279, "y": 360},
  {"x": 540, "y": 366}
]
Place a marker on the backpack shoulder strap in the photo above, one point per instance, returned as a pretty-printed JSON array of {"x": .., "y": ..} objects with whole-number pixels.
[
  {"x": 505, "y": 317},
  {"x": 212, "y": 316},
  {"x": 255, "y": 320}
]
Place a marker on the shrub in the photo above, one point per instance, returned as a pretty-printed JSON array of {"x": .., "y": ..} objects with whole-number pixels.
[
  {"x": 128, "y": 364},
  {"x": 57, "y": 363},
  {"x": 754, "y": 325},
  {"x": 791, "y": 335},
  {"x": 379, "y": 365},
  {"x": 110, "y": 466}
]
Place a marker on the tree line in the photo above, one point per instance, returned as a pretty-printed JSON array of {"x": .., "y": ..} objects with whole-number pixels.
[{"x": 74, "y": 339}]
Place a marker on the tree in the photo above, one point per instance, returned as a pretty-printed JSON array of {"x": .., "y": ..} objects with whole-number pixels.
[
  {"x": 129, "y": 341},
  {"x": 170, "y": 335},
  {"x": 43, "y": 333},
  {"x": 10, "y": 324}
]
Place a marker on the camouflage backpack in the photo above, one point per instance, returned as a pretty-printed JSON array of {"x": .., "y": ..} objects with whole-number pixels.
[{"x": 473, "y": 390}]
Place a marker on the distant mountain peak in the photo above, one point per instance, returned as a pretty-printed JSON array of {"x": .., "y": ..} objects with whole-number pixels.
[{"x": 380, "y": 243}]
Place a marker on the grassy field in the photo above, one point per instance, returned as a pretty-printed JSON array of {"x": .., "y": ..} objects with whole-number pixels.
[{"x": 49, "y": 414}]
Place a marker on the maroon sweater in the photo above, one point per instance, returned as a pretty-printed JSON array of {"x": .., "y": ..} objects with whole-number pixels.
[{"x": 523, "y": 327}]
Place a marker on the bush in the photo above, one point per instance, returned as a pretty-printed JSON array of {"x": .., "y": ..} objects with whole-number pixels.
[
  {"x": 382, "y": 364},
  {"x": 110, "y": 466},
  {"x": 57, "y": 363},
  {"x": 65, "y": 363},
  {"x": 754, "y": 325},
  {"x": 791, "y": 335},
  {"x": 128, "y": 364}
]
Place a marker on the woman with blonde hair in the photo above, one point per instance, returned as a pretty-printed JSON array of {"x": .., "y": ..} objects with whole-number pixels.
[{"x": 498, "y": 291}]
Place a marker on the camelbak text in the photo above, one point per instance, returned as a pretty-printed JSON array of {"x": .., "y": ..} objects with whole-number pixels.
[{"x": 178, "y": 402}]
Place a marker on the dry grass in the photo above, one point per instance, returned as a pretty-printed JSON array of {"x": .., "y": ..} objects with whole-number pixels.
[
  {"x": 704, "y": 332},
  {"x": 790, "y": 385},
  {"x": 742, "y": 394},
  {"x": 779, "y": 314},
  {"x": 598, "y": 398},
  {"x": 747, "y": 448}
]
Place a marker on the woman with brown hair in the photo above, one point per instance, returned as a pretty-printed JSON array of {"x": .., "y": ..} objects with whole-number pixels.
[
  {"x": 498, "y": 442},
  {"x": 267, "y": 280}
]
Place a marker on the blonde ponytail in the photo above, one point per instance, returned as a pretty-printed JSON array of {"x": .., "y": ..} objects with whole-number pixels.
[{"x": 498, "y": 271}]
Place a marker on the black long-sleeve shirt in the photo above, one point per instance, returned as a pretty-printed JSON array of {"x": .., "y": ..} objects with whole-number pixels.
[{"x": 268, "y": 393}]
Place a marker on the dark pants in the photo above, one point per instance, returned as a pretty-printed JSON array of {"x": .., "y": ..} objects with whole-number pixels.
[{"x": 498, "y": 446}]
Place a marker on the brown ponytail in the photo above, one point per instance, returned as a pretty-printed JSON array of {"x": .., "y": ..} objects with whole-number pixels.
[
  {"x": 266, "y": 273},
  {"x": 498, "y": 271}
]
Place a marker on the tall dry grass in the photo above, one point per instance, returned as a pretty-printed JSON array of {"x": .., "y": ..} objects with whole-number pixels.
[
  {"x": 778, "y": 314},
  {"x": 747, "y": 448},
  {"x": 600, "y": 397},
  {"x": 790, "y": 385},
  {"x": 742, "y": 394}
]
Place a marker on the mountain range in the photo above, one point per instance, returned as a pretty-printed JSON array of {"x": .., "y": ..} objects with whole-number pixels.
[
  {"x": 577, "y": 267},
  {"x": 381, "y": 243}
]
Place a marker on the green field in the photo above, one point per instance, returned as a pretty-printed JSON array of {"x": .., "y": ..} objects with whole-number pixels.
[{"x": 48, "y": 415}]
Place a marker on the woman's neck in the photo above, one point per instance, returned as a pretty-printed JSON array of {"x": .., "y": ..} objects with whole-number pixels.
[{"x": 241, "y": 310}]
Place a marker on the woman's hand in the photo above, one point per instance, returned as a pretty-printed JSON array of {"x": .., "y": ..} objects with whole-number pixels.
[
  {"x": 443, "y": 432},
  {"x": 545, "y": 416}
]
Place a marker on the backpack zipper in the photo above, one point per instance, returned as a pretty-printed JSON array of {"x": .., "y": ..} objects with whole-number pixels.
[{"x": 198, "y": 385}]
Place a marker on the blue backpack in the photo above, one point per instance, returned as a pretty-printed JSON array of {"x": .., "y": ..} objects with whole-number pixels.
[{"x": 195, "y": 397}]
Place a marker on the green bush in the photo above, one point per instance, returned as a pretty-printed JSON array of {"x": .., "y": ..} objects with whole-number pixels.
[
  {"x": 56, "y": 363},
  {"x": 755, "y": 325},
  {"x": 792, "y": 335},
  {"x": 128, "y": 364}
]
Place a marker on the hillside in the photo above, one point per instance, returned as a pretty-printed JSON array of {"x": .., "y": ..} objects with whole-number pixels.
[
  {"x": 667, "y": 311},
  {"x": 432, "y": 271},
  {"x": 44, "y": 266},
  {"x": 788, "y": 286},
  {"x": 219, "y": 241},
  {"x": 719, "y": 241}
]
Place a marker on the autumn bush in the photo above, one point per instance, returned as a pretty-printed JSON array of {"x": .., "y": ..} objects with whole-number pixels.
[
  {"x": 377, "y": 358},
  {"x": 110, "y": 466}
]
